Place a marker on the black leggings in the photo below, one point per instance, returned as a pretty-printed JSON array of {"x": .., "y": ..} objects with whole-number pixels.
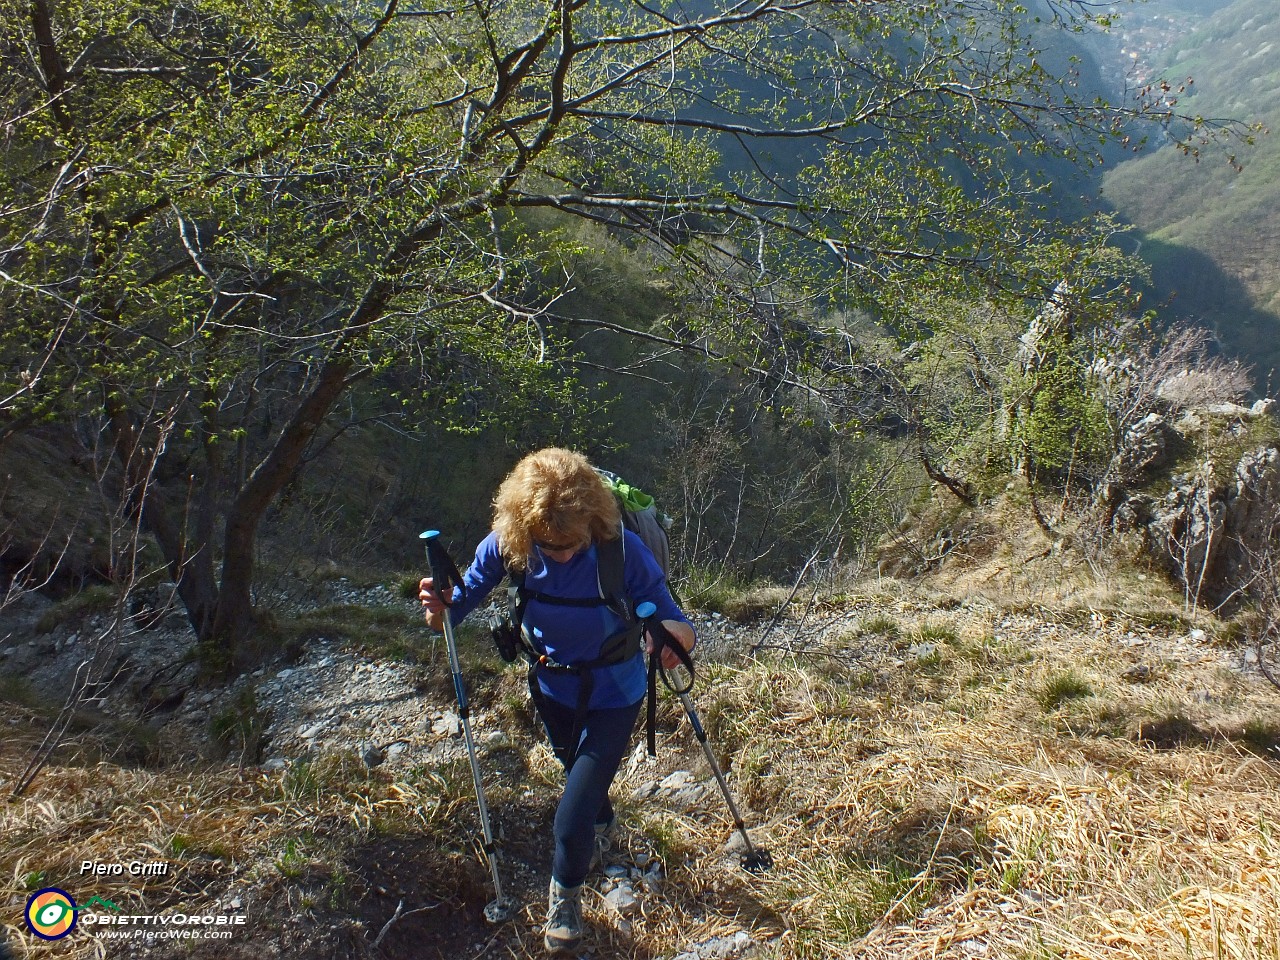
[{"x": 602, "y": 744}]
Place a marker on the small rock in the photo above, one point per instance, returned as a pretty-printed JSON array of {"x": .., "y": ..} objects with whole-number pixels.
[
  {"x": 1138, "y": 673},
  {"x": 448, "y": 725},
  {"x": 721, "y": 948},
  {"x": 1198, "y": 635},
  {"x": 622, "y": 900},
  {"x": 736, "y": 845},
  {"x": 651, "y": 882},
  {"x": 372, "y": 756}
]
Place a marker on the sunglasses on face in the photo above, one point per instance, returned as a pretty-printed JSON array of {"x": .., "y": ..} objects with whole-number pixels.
[{"x": 555, "y": 547}]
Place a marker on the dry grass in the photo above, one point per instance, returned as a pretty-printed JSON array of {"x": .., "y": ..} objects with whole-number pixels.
[
  {"x": 946, "y": 813},
  {"x": 941, "y": 806},
  {"x": 1003, "y": 555},
  {"x": 222, "y": 831}
]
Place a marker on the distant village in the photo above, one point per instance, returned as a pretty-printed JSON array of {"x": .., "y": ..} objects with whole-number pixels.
[{"x": 1139, "y": 41}]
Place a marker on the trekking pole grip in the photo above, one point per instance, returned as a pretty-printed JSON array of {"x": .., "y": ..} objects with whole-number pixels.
[
  {"x": 664, "y": 640},
  {"x": 444, "y": 573}
]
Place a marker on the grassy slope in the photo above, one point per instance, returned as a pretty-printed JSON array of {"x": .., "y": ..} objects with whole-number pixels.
[
  {"x": 937, "y": 774},
  {"x": 1212, "y": 234}
]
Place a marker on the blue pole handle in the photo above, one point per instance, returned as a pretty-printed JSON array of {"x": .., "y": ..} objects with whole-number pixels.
[
  {"x": 443, "y": 571},
  {"x": 663, "y": 638}
]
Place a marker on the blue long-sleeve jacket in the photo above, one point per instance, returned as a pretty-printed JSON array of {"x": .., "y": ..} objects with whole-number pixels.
[{"x": 574, "y": 634}]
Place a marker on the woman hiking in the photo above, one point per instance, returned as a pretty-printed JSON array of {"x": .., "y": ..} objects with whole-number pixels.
[{"x": 556, "y": 524}]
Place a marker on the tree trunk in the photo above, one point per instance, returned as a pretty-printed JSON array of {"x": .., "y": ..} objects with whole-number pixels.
[
  {"x": 194, "y": 578},
  {"x": 233, "y": 635}
]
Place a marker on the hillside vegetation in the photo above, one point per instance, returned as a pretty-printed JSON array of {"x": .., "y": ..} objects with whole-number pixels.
[
  {"x": 1059, "y": 766},
  {"x": 1208, "y": 228}
]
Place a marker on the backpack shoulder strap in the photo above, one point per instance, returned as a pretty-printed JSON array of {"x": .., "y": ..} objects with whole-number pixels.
[
  {"x": 517, "y": 599},
  {"x": 611, "y": 558}
]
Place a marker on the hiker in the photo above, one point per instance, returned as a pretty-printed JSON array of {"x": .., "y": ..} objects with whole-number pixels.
[{"x": 554, "y": 524}]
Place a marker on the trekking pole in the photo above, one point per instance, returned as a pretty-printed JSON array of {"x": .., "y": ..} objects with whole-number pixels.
[
  {"x": 446, "y": 577},
  {"x": 755, "y": 859}
]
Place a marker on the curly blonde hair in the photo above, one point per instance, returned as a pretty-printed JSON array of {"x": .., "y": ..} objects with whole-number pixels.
[{"x": 555, "y": 496}]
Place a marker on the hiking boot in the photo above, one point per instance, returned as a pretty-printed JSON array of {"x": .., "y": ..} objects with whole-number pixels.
[
  {"x": 604, "y": 843},
  {"x": 563, "y": 931}
]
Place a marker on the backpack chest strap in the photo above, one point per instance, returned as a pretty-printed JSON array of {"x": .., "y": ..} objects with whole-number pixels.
[{"x": 610, "y": 582}]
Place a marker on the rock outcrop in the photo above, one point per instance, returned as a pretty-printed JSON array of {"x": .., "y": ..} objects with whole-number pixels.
[
  {"x": 1215, "y": 528},
  {"x": 1252, "y": 514}
]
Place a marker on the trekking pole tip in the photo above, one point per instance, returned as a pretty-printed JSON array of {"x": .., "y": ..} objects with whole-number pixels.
[{"x": 500, "y": 910}]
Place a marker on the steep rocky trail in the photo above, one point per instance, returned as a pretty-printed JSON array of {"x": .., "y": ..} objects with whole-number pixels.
[{"x": 398, "y": 717}]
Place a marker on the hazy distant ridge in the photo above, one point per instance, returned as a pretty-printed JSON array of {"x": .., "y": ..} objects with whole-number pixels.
[{"x": 1213, "y": 234}]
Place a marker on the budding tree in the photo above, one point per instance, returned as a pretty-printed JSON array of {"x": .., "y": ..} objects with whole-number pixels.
[{"x": 239, "y": 211}]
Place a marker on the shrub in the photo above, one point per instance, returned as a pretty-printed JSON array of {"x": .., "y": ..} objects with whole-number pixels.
[
  {"x": 96, "y": 599},
  {"x": 241, "y": 727}
]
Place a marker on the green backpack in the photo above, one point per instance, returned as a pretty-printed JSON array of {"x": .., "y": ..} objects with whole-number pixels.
[{"x": 642, "y": 517}]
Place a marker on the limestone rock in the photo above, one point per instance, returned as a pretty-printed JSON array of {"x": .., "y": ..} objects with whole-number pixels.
[
  {"x": 1211, "y": 534},
  {"x": 622, "y": 900},
  {"x": 1145, "y": 447}
]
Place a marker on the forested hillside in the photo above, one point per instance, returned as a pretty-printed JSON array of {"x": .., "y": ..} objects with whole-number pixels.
[
  {"x": 1208, "y": 227},
  {"x": 985, "y": 565}
]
